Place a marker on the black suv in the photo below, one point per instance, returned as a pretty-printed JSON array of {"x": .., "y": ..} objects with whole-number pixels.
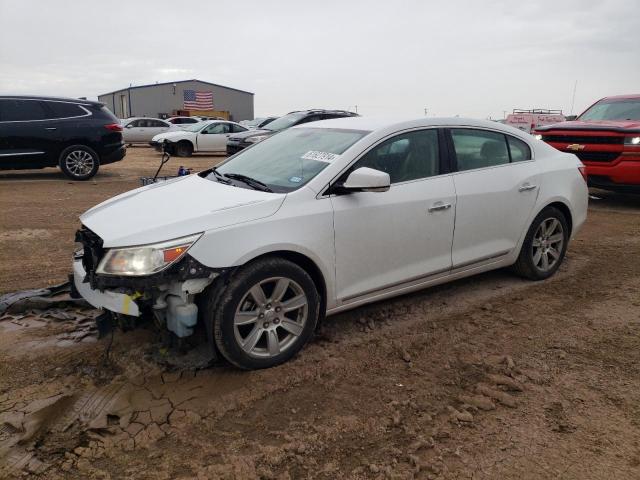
[
  {"x": 76, "y": 135},
  {"x": 245, "y": 139}
]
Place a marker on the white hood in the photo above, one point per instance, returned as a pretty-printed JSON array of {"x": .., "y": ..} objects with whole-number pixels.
[
  {"x": 174, "y": 136},
  {"x": 176, "y": 208}
]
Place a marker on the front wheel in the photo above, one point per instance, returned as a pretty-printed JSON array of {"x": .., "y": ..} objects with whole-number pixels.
[
  {"x": 184, "y": 149},
  {"x": 265, "y": 315},
  {"x": 544, "y": 246},
  {"x": 79, "y": 162}
]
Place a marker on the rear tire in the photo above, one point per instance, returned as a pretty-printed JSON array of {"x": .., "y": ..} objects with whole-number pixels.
[
  {"x": 79, "y": 162},
  {"x": 265, "y": 315},
  {"x": 184, "y": 149},
  {"x": 544, "y": 246}
]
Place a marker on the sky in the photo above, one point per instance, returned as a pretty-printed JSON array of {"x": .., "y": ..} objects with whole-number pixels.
[{"x": 395, "y": 58}]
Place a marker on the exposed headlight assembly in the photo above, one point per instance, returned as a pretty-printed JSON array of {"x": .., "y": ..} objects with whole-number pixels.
[
  {"x": 255, "y": 138},
  {"x": 145, "y": 259},
  {"x": 633, "y": 141}
]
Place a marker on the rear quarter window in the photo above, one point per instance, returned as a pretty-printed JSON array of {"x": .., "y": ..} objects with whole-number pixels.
[
  {"x": 65, "y": 110},
  {"x": 519, "y": 150}
]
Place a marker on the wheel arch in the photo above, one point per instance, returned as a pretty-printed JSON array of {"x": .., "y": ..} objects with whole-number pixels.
[
  {"x": 308, "y": 265},
  {"x": 563, "y": 206}
]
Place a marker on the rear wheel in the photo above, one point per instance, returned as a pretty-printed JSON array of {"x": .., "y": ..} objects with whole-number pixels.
[
  {"x": 265, "y": 315},
  {"x": 544, "y": 246},
  {"x": 184, "y": 149},
  {"x": 79, "y": 162}
]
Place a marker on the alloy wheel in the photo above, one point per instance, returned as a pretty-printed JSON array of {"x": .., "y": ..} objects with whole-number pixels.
[
  {"x": 79, "y": 163},
  {"x": 547, "y": 245},
  {"x": 270, "y": 317}
]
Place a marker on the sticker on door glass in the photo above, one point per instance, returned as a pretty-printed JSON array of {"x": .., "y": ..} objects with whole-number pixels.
[{"x": 326, "y": 157}]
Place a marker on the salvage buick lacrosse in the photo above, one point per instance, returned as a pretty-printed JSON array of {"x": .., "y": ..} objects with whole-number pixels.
[{"x": 325, "y": 217}]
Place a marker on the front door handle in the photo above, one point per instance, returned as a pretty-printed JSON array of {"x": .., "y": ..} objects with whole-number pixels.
[
  {"x": 439, "y": 206},
  {"x": 50, "y": 128},
  {"x": 526, "y": 187}
]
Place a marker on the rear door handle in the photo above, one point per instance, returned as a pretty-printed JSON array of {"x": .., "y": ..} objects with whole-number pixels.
[
  {"x": 439, "y": 206},
  {"x": 526, "y": 187},
  {"x": 50, "y": 128}
]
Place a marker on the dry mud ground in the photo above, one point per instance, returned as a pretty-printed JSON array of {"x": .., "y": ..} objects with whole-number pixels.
[{"x": 491, "y": 377}]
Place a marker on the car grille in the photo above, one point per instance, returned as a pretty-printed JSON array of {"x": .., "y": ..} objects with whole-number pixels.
[
  {"x": 604, "y": 140},
  {"x": 597, "y": 156},
  {"x": 93, "y": 252}
]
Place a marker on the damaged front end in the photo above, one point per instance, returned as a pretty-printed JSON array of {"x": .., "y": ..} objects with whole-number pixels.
[{"x": 160, "y": 279}]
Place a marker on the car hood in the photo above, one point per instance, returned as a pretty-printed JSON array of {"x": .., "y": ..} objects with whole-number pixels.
[
  {"x": 623, "y": 126},
  {"x": 176, "y": 208},
  {"x": 173, "y": 135},
  {"x": 251, "y": 133}
]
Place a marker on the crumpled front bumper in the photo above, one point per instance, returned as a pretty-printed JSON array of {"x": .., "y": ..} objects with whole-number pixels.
[{"x": 112, "y": 301}]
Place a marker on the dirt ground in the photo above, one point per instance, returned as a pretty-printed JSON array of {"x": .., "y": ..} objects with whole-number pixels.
[{"x": 491, "y": 377}]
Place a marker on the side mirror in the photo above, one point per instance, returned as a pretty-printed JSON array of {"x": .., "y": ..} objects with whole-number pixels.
[{"x": 366, "y": 179}]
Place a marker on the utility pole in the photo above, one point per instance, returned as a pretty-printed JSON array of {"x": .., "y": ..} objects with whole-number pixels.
[
  {"x": 426, "y": 110},
  {"x": 356, "y": 107}
]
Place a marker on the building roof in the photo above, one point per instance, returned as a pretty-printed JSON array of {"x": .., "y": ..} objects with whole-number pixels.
[{"x": 176, "y": 82}]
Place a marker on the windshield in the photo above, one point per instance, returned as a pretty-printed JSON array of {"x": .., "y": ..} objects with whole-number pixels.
[
  {"x": 288, "y": 160},
  {"x": 285, "y": 122},
  {"x": 195, "y": 127},
  {"x": 627, "y": 109}
]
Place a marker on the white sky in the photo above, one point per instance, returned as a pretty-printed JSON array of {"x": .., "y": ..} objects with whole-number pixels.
[{"x": 460, "y": 57}]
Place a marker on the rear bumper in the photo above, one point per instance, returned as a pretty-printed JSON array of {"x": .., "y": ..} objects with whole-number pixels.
[
  {"x": 111, "y": 155},
  {"x": 112, "y": 301}
]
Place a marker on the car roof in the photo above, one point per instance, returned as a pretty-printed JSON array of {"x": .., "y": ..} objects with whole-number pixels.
[
  {"x": 395, "y": 124},
  {"x": 633, "y": 96},
  {"x": 80, "y": 101}
]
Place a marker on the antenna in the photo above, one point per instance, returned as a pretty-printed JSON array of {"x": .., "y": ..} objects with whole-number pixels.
[{"x": 573, "y": 98}]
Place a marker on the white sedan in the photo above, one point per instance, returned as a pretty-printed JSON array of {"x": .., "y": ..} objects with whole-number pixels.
[
  {"x": 142, "y": 130},
  {"x": 326, "y": 217},
  {"x": 210, "y": 136}
]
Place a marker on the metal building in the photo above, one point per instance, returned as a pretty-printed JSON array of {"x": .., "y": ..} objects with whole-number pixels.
[{"x": 168, "y": 99}]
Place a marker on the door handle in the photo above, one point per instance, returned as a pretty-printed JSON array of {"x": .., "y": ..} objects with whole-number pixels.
[
  {"x": 439, "y": 206},
  {"x": 50, "y": 128},
  {"x": 526, "y": 187}
]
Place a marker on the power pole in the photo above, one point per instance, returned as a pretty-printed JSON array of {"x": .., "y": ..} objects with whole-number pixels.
[{"x": 426, "y": 110}]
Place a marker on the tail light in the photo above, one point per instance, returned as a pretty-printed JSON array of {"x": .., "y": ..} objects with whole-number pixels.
[
  {"x": 583, "y": 171},
  {"x": 114, "y": 127}
]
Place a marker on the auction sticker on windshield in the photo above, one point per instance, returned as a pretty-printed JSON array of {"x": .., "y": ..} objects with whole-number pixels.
[{"x": 326, "y": 157}]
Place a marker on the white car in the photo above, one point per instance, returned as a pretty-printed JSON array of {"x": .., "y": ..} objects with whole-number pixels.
[
  {"x": 210, "y": 136},
  {"x": 183, "y": 122},
  {"x": 325, "y": 217},
  {"x": 142, "y": 130}
]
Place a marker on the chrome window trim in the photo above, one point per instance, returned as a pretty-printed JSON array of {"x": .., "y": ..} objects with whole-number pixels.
[{"x": 82, "y": 106}]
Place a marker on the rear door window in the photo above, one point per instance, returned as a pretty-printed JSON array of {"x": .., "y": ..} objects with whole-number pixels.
[
  {"x": 238, "y": 128},
  {"x": 19, "y": 110},
  {"x": 479, "y": 148}
]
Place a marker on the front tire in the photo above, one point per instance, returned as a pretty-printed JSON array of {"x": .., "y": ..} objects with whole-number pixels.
[
  {"x": 544, "y": 246},
  {"x": 184, "y": 149},
  {"x": 265, "y": 315},
  {"x": 79, "y": 162}
]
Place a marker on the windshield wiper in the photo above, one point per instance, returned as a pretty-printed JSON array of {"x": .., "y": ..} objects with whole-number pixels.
[
  {"x": 219, "y": 176},
  {"x": 252, "y": 182}
]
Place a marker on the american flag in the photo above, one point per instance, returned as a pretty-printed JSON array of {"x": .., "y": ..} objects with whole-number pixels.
[{"x": 194, "y": 100}]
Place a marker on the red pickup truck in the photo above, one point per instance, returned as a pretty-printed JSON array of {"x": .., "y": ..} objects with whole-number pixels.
[{"x": 606, "y": 138}]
